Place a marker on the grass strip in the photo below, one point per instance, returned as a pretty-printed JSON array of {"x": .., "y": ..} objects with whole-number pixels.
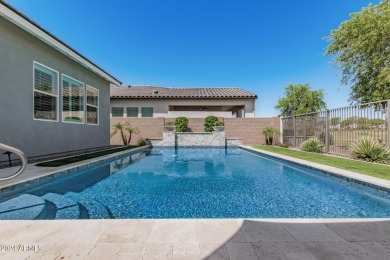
[
  {"x": 370, "y": 169},
  {"x": 82, "y": 157}
]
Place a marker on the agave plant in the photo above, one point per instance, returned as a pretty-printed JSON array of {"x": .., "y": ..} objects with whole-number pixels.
[
  {"x": 370, "y": 150},
  {"x": 313, "y": 145},
  {"x": 125, "y": 130}
]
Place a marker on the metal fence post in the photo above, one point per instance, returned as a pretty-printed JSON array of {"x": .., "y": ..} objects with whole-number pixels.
[
  {"x": 388, "y": 123},
  {"x": 327, "y": 113},
  {"x": 295, "y": 131}
]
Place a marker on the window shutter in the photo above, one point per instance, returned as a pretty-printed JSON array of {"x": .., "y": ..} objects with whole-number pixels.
[{"x": 45, "y": 93}]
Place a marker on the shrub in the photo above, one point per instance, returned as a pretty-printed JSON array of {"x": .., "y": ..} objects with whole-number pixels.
[
  {"x": 322, "y": 138},
  {"x": 181, "y": 124},
  {"x": 312, "y": 145},
  {"x": 270, "y": 134},
  {"x": 335, "y": 121},
  {"x": 220, "y": 123},
  {"x": 209, "y": 122},
  {"x": 170, "y": 123},
  {"x": 141, "y": 142},
  {"x": 370, "y": 150},
  {"x": 377, "y": 122},
  {"x": 355, "y": 122},
  {"x": 284, "y": 145}
]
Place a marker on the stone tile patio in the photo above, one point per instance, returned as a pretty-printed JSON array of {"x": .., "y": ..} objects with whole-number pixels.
[{"x": 197, "y": 239}]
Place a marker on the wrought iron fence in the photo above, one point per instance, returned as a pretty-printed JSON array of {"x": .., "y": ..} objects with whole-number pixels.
[{"x": 338, "y": 128}]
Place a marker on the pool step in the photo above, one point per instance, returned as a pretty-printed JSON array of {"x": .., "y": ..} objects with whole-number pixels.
[
  {"x": 66, "y": 207},
  {"x": 96, "y": 210},
  {"x": 25, "y": 206}
]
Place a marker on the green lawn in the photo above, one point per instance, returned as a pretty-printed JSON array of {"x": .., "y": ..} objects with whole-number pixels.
[
  {"x": 375, "y": 170},
  {"x": 82, "y": 157}
]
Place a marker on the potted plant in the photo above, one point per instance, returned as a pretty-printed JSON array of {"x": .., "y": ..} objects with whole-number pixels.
[
  {"x": 169, "y": 126},
  {"x": 209, "y": 122},
  {"x": 270, "y": 134},
  {"x": 219, "y": 126},
  {"x": 212, "y": 123}
]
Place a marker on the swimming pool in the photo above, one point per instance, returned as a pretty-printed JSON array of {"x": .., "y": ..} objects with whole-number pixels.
[{"x": 197, "y": 183}]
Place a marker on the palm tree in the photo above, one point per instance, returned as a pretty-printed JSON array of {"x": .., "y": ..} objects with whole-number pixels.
[
  {"x": 270, "y": 133},
  {"x": 122, "y": 129},
  {"x": 131, "y": 130}
]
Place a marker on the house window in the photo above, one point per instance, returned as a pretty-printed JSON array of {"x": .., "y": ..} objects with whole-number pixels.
[
  {"x": 72, "y": 100},
  {"x": 132, "y": 112},
  {"x": 147, "y": 111},
  {"x": 92, "y": 105},
  {"x": 117, "y": 111},
  {"x": 45, "y": 93}
]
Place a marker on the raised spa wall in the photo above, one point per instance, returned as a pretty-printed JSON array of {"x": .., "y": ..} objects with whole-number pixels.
[{"x": 177, "y": 139}]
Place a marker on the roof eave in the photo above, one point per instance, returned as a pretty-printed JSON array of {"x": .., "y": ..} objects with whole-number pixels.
[
  {"x": 144, "y": 97},
  {"x": 20, "y": 20}
]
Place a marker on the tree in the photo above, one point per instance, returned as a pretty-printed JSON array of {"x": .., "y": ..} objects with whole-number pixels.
[
  {"x": 131, "y": 131},
  {"x": 270, "y": 134},
  {"x": 361, "y": 49},
  {"x": 124, "y": 129},
  {"x": 299, "y": 99}
]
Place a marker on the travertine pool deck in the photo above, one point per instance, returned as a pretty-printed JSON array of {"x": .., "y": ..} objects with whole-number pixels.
[
  {"x": 197, "y": 239},
  {"x": 192, "y": 238}
]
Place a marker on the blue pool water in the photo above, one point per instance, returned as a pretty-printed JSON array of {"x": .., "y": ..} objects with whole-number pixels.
[{"x": 200, "y": 183}]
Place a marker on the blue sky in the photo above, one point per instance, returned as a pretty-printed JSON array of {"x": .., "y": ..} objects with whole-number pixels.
[{"x": 260, "y": 46}]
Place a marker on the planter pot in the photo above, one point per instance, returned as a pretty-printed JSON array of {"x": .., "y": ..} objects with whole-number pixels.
[
  {"x": 169, "y": 128},
  {"x": 218, "y": 128}
]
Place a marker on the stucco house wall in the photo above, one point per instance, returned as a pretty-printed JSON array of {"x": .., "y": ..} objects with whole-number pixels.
[
  {"x": 161, "y": 106},
  {"x": 18, "y": 128}
]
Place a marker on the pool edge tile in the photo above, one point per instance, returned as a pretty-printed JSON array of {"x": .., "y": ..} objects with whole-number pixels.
[
  {"x": 66, "y": 169},
  {"x": 370, "y": 181}
]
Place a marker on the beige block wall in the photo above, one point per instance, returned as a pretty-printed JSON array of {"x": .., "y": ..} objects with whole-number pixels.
[
  {"x": 148, "y": 128},
  {"x": 196, "y": 124},
  {"x": 248, "y": 129}
]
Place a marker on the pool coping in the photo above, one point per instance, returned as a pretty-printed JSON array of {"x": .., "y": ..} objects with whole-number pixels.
[
  {"x": 54, "y": 172},
  {"x": 374, "y": 182},
  {"x": 197, "y": 238}
]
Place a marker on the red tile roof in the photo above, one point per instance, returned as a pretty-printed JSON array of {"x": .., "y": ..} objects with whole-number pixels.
[{"x": 165, "y": 92}]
